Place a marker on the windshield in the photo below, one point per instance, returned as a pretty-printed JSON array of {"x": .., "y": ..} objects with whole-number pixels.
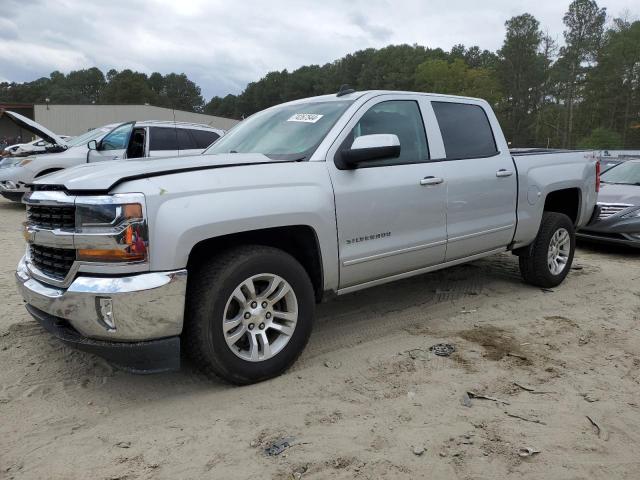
[
  {"x": 284, "y": 132},
  {"x": 88, "y": 136},
  {"x": 626, "y": 173}
]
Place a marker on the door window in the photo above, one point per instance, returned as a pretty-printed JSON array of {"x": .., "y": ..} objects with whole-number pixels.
[
  {"x": 118, "y": 138},
  {"x": 398, "y": 117},
  {"x": 163, "y": 139},
  {"x": 465, "y": 130}
]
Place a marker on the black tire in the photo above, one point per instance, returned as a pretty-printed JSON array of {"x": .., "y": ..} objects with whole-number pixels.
[
  {"x": 211, "y": 285},
  {"x": 534, "y": 266}
]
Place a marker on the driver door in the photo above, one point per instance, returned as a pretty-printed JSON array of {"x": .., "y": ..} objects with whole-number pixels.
[
  {"x": 391, "y": 212},
  {"x": 114, "y": 144}
]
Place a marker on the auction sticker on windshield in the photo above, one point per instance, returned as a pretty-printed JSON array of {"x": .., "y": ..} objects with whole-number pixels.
[{"x": 305, "y": 117}]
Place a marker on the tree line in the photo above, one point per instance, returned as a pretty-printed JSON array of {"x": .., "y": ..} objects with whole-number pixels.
[
  {"x": 583, "y": 93},
  {"x": 92, "y": 86}
]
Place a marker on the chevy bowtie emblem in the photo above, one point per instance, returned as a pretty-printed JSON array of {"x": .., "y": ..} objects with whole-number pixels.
[{"x": 28, "y": 233}]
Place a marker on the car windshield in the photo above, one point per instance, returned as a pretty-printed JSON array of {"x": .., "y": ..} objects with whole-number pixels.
[
  {"x": 286, "y": 132},
  {"x": 626, "y": 173},
  {"x": 87, "y": 137}
]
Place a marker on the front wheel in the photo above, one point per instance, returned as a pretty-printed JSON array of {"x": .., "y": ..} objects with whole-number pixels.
[
  {"x": 547, "y": 261},
  {"x": 249, "y": 314}
]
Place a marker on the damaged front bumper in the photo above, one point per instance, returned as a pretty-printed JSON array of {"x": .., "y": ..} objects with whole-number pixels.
[
  {"x": 13, "y": 183},
  {"x": 132, "y": 321},
  {"x": 622, "y": 228}
]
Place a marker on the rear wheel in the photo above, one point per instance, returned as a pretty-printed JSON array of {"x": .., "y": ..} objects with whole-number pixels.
[
  {"x": 547, "y": 261},
  {"x": 249, "y": 314}
]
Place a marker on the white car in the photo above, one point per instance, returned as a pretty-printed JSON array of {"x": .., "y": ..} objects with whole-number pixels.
[
  {"x": 138, "y": 139},
  {"x": 37, "y": 146}
]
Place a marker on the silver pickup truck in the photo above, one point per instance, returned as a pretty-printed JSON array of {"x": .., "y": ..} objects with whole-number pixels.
[{"x": 224, "y": 255}]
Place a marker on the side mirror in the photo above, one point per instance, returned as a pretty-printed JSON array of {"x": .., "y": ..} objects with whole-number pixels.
[
  {"x": 92, "y": 145},
  {"x": 371, "y": 147}
]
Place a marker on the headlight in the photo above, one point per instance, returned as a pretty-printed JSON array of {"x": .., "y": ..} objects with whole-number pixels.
[
  {"x": 11, "y": 162},
  {"x": 112, "y": 229},
  {"x": 633, "y": 214},
  {"x": 26, "y": 161}
]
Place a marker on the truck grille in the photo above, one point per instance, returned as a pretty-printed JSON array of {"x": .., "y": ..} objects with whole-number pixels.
[
  {"x": 54, "y": 262},
  {"x": 52, "y": 217},
  {"x": 609, "y": 209}
]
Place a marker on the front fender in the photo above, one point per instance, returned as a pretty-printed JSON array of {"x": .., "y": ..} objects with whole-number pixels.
[{"x": 187, "y": 208}]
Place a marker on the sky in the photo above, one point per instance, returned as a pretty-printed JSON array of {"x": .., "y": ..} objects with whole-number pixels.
[{"x": 223, "y": 45}]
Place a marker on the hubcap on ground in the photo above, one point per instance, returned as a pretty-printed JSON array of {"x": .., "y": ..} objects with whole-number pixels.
[
  {"x": 260, "y": 317},
  {"x": 559, "y": 249}
]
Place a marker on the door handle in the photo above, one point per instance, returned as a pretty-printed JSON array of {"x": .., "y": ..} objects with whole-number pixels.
[
  {"x": 431, "y": 181},
  {"x": 504, "y": 173}
]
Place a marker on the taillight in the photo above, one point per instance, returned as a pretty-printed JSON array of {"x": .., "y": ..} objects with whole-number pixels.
[{"x": 597, "y": 176}]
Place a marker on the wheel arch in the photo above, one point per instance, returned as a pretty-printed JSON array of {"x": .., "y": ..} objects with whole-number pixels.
[
  {"x": 47, "y": 171},
  {"x": 299, "y": 241},
  {"x": 567, "y": 201}
]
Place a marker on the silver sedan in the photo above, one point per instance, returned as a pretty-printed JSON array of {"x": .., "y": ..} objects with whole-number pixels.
[{"x": 617, "y": 215}]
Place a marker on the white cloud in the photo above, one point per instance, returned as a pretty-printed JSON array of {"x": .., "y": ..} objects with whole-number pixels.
[{"x": 224, "y": 45}]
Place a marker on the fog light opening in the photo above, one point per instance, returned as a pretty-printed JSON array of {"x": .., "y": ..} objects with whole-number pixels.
[{"x": 104, "y": 307}]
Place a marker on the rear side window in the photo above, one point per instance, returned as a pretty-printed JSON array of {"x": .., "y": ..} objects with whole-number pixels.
[
  {"x": 163, "y": 138},
  {"x": 204, "y": 138},
  {"x": 465, "y": 129},
  {"x": 185, "y": 142}
]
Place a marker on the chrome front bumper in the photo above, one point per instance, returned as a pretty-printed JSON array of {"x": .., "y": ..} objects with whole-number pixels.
[{"x": 142, "y": 307}]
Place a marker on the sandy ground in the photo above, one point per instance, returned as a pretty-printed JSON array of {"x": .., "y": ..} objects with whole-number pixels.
[{"x": 365, "y": 398}]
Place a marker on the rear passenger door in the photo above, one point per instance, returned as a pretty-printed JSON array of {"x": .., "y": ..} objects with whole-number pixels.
[
  {"x": 481, "y": 179},
  {"x": 163, "y": 142}
]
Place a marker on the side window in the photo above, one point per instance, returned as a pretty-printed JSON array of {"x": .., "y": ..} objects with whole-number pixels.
[
  {"x": 398, "y": 117},
  {"x": 465, "y": 130},
  {"x": 118, "y": 139},
  {"x": 185, "y": 142},
  {"x": 204, "y": 138},
  {"x": 161, "y": 138}
]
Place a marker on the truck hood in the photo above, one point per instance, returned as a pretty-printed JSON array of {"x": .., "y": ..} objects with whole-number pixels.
[
  {"x": 616, "y": 193},
  {"x": 103, "y": 176},
  {"x": 35, "y": 128}
]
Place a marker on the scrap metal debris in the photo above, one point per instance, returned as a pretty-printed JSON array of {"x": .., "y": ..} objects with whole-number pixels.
[
  {"x": 531, "y": 389},
  {"x": 442, "y": 349},
  {"x": 532, "y": 420},
  {"x": 486, "y": 397},
  {"x": 599, "y": 431},
  {"x": 527, "y": 452},
  {"x": 279, "y": 446},
  {"x": 516, "y": 355}
]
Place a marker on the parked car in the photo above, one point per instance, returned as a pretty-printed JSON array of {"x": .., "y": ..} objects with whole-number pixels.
[
  {"x": 36, "y": 146},
  {"x": 226, "y": 253},
  {"x": 608, "y": 163},
  {"x": 138, "y": 139},
  {"x": 617, "y": 216}
]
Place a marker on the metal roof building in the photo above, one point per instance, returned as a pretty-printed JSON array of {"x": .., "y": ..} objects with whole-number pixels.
[{"x": 75, "y": 119}]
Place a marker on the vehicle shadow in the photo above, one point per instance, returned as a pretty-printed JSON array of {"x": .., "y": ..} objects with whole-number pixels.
[
  {"x": 341, "y": 323},
  {"x": 608, "y": 249},
  {"x": 10, "y": 206}
]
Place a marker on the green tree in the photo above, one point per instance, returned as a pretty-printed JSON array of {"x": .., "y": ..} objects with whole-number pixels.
[
  {"x": 584, "y": 23},
  {"x": 128, "y": 87},
  {"x": 457, "y": 78},
  {"x": 612, "y": 88},
  {"x": 601, "y": 139},
  {"x": 521, "y": 72}
]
